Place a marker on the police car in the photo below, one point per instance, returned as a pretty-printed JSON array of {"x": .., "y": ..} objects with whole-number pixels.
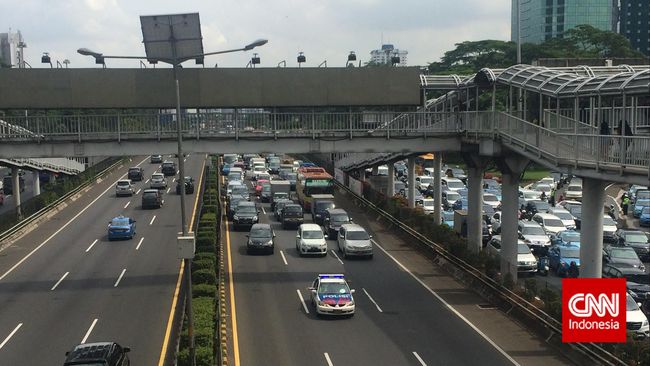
[{"x": 331, "y": 295}]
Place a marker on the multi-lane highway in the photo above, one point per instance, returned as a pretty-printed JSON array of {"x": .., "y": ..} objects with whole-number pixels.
[
  {"x": 398, "y": 321},
  {"x": 65, "y": 283}
]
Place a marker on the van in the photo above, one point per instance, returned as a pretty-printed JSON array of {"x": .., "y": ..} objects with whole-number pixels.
[{"x": 320, "y": 203}]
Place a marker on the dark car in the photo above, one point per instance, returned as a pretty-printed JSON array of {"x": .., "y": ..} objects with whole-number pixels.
[
  {"x": 333, "y": 219},
  {"x": 615, "y": 255},
  {"x": 319, "y": 208},
  {"x": 99, "y": 353},
  {"x": 155, "y": 159},
  {"x": 136, "y": 174},
  {"x": 279, "y": 205},
  {"x": 232, "y": 205},
  {"x": 151, "y": 198},
  {"x": 291, "y": 215},
  {"x": 189, "y": 185},
  {"x": 261, "y": 238},
  {"x": 291, "y": 177},
  {"x": 168, "y": 168},
  {"x": 637, "y": 282},
  {"x": 637, "y": 240},
  {"x": 245, "y": 215},
  {"x": 265, "y": 194}
]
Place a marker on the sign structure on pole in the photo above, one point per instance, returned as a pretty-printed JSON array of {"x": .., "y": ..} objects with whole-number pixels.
[{"x": 186, "y": 246}]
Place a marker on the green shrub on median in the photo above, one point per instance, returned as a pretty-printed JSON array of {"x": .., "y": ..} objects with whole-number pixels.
[
  {"x": 204, "y": 290},
  {"x": 204, "y": 276},
  {"x": 203, "y": 264}
]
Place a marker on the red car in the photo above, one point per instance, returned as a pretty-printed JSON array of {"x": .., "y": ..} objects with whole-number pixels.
[{"x": 258, "y": 186}]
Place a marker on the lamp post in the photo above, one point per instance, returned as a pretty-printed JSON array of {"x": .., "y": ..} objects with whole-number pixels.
[
  {"x": 301, "y": 58},
  {"x": 351, "y": 58},
  {"x": 169, "y": 30},
  {"x": 45, "y": 59}
]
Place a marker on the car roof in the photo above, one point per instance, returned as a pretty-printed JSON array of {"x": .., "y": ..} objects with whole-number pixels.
[
  {"x": 246, "y": 203},
  {"x": 135, "y": 167},
  {"x": 557, "y": 209},
  {"x": 261, "y": 226},
  {"x": 528, "y": 223},
  {"x": 124, "y": 180},
  {"x": 451, "y": 179},
  {"x": 333, "y": 211},
  {"x": 547, "y": 216},
  {"x": 310, "y": 227},
  {"x": 168, "y": 162},
  {"x": 353, "y": 227},
  {"x": 153, "y": 190},
  {"x": 498, "y": 238},
  {"x": 157, "y": 174},
  {"x": 90, "y": 352}
]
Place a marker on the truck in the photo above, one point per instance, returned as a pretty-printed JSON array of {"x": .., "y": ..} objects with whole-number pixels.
[
  {"x": 320, "y": 203},
  {"x": 280, "y": 187}
]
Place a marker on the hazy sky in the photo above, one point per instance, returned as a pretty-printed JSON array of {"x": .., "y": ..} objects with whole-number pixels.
[{"x": 323, "y": 29}]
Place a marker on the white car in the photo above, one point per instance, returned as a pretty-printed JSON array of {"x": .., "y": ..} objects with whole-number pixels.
[
  {"x": 452, "y": 184},
  {"x": 428, "y": 205},
  {"x": 354, "y": 240},
  {"x": 158, "y": 181},
  {"x": 533, "y": 234},
  {"x": 526, "y": 261},
  {"x": 231, "y": 185},
  {"x": 491, "y": 200},
  {"x": 526, "y": 195},
  {"x": 565, "y": 216},
  {"x": 422, "y": 182},
  {"x": 637, "y": 322},
  {"x": 573, "y": 192},
  {"x": 124, "y": 187},
  {"x": 310, "y": 240},
  {"x": 331, "y": 295},
  {"x": 549, "y": 222}
]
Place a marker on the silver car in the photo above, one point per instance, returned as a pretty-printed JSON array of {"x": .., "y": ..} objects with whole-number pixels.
[
  {"x": 124, "y": 187},
  {"x": 158, "y": 181},
  {"x": 353, "y": 240}
]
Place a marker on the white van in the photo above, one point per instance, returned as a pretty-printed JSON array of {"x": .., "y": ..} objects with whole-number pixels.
[{"x": 637, "y": 322}]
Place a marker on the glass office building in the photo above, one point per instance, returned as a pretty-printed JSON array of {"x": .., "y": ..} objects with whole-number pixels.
[
  {"x": 635, "y": 24},
  {"x": 546, "y": 19}
]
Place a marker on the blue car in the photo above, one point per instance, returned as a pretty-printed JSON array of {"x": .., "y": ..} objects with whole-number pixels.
[
  {"x": 566, "y": 237},
  {"x": 225, "y": 170},
  {"x": 121, "y": 227},
  {"x": 644, "y": 217},
  {"x": 639, "y": 205},
  {"x": 561, "y": 256}
]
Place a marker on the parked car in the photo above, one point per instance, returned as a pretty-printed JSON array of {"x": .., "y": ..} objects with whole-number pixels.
[
  {"x": 353, "y": 240},
  {"x": 152, "y": 198},
  {"x": 615, "y": 254},
  {"x": 189, "y": 185},
  {"x": 121, "y": 227},
  {"x": 561, "y": 256},
  {"x": 637, "y": 240},
  {"x": 168, "y": 168},
  {"x": 135, "y": 174},
  {"x": 333, "y": 219},
  {"x": 261, "y": 238},
  {"x": 526, "y": 261},
  {"x": 310, "y": 240},
  {"x": 124, "y": 187},
  {"x": 98, "y": 353},
  {"x": 158, "y": 181}
]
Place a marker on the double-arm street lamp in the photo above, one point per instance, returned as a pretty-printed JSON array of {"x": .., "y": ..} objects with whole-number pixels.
[{"x": 174, "y": 39}]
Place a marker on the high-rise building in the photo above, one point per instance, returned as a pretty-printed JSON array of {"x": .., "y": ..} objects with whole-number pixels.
[
  {"x": 635, "y": 24},
  {"x": 386, "y": 53},
  {"x": 545, "y": 19},
  {"x": 11, "y": 49}
]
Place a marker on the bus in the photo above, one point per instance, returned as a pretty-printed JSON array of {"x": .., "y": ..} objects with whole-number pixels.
[{"x": 312, "y": 180}]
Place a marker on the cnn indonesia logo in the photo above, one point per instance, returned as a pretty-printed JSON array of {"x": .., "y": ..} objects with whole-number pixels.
[{"x": 593, "y": 310}]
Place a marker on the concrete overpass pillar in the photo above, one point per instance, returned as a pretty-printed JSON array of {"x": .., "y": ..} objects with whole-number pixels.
[
  {"x": 390, "y": 190},
  {"x": 375, "y": 170},
  {"x": 52, "y": 177},
  {"x": 15, "y": 191},
  {"x": 591, "y": 255},
  {"x": 437, "y": 188},
  {"x": 37, "y": 183},
  {"x": 511, "y": 167},
  {"x": 411, "y": 180},
  {"x": 476, "y": 165}
]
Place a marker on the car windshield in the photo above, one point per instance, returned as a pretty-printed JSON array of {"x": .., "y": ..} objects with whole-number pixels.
[
  {"x": 457, "y": 172},
  {"x": 640, "y": 278},
  {"x": 531, "y": 195},
  {"x": 553, "y": 223},
  {"x": 339, "y": 218},
  {"x": 426, "y": 180},
  {"x": 123, "y": 184},
  {"x": 324, "y": 205},
  {"x": 574, "y": 189},
  {"x": 312, "y": 234},
  {"x": 292, "y": 209},
  {"x": 246, "y": 209},
  {"x": 266, "y": 188},
  {"x": 455, "y": 184},
  {"x": 260, "y": 233},
  {"x": 646, "y": 210},
  {"x": 630, "y": 304},
  {"x": 608, "y": 221},
  {"x": 149, "y": 195},
  {"x": 542, "y": 206},
  {"x": 534, "y": 230},
  {"x": 562, "y": 215},
  {"x": 636, "y": 238},
  {"x": 168, "y": 165},
  {"x": 333, "y": 288},
  {"x": 575, "y": 210},
  {"x": 278, "y": 195},
  {"x": 357, "y": 235},
  {"x": 120, "y": 222},
  {"x": 427, "y": 203},
  {"x": 448, "y": 215},
  {"x": 644, "y": 194},
  {"x": 625, "y": 253},
  {"x": 234, "y": 176},
  {"x": 134, "y": 170},
  {"x": 543, "y": 188},
  {"x": 490, "y": 198},
  {"x": 157, "y": 176},
  {"x": 453, "y": 196},
  {"x": 522, "y": 249},
  {"x": 570, "y": 236},
  {"x": 570, "y": 252},
  {"x": 239, "y": 189}
]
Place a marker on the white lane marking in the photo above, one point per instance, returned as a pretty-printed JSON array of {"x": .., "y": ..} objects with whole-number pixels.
[
  {"x": 304, "y": 305},
  {"x": 62, "y": 227},
  {"x": 337, "y": 257},
  {"x": 178, "y": 172},
  {"x": 284, "y": 259},
  {"x": 146, "y": 181},
  {"x": 184, "y": 159},
  {"x": 10, "y": 335},
  {"x": 373, "y": 300},
  {"x": 127, "y": 204},
  {"x": 447, "y": 304},
  {"x": 168, "y": 189},
  {"x": 119, "y": 278},
  {"x": 263, "y": 210},
  {"x": 91, "y": 246},
  {"x": 59, "y": 281},
  {"x": 152, "y": 220},
  {"x": 139, "y": 243},
  {"x": 173, "y": 180},
  {"x": 138, "y": 192},
  {"x": 419, "y": 359},
  {"x": 327, "y": 358},
  {"x": 85, "y": 338}
]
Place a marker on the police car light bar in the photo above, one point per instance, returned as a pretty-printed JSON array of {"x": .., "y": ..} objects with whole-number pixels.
[{"x": 331, "y": 276}]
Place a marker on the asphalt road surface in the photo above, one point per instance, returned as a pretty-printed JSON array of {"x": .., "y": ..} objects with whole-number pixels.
[
  {"x": 65, "y": 283},
  {"x": 397, "y": 321}
]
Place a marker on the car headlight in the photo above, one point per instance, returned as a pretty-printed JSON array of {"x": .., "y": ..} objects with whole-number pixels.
[
  {"x": 269, "y": 243},
  {"x": 254, "y": 218},
  {"x": 645, "y": 323},
  {"x": 317, "y": 215}
]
